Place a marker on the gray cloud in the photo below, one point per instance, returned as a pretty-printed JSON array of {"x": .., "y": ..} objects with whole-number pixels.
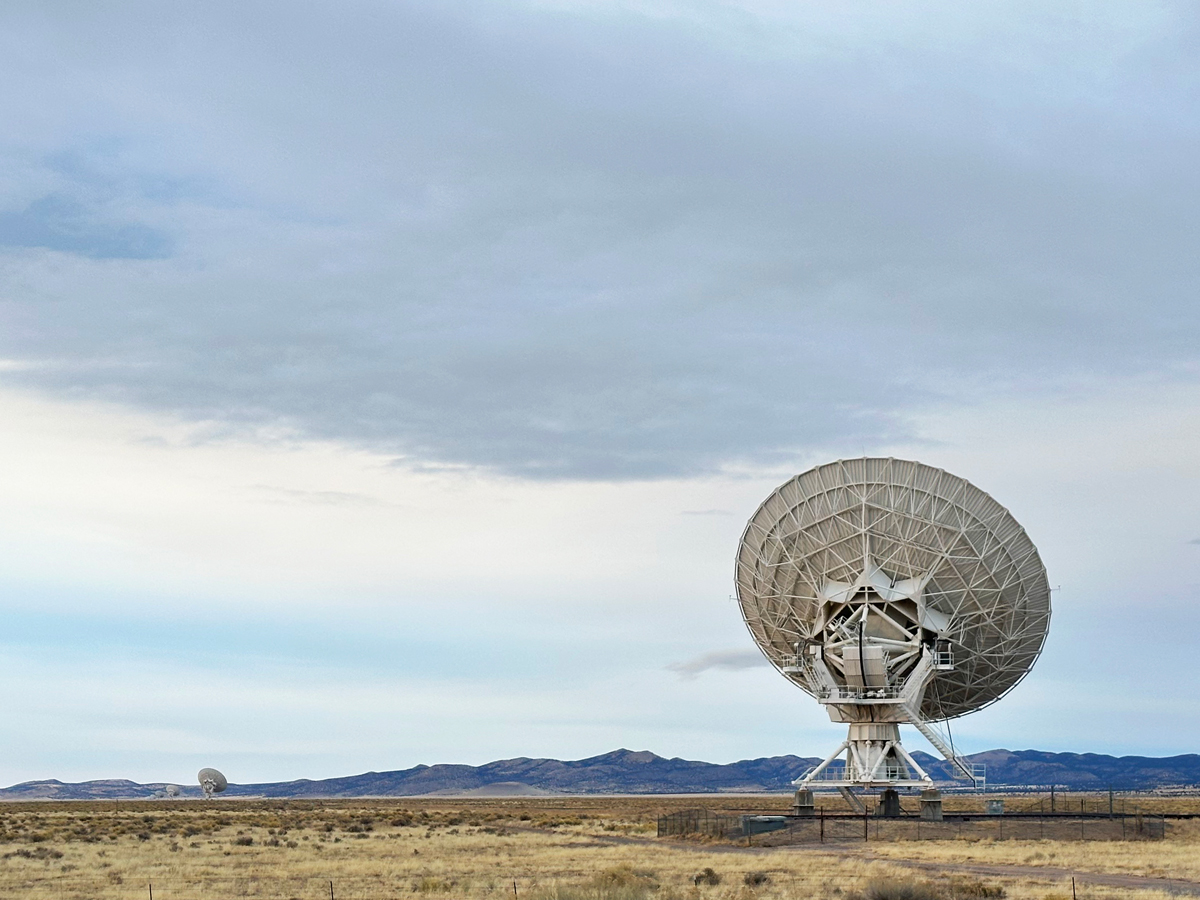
[
  {"x": 60, "y": 223},
  {"x": 600, "y": 244},
  {"x": 733, "y": 660}
]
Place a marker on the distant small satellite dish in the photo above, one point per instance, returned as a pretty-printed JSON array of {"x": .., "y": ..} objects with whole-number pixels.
[
  {"x": 211, "y": 782},
  {"x": 171, "y": 790}
]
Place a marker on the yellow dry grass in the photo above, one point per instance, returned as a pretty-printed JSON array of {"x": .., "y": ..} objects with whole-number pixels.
[
  {"x": 1176, "y": 857},
  {"x": 553, "y": 849}
]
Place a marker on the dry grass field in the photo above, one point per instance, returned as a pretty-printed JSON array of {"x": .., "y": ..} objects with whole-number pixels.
[{"x": 535, "y": 848}]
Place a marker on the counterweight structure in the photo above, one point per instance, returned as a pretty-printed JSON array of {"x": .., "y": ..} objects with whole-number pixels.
[{"x": 893, "y": 593}]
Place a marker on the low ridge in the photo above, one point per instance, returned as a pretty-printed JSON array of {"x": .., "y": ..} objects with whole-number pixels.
[{"x": 643, "y": 772}]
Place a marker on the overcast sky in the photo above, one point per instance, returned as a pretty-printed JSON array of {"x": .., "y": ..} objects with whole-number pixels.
[{"x": 386, "y": 383}]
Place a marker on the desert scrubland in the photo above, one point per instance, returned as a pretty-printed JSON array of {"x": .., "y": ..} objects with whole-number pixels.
[{"x": 533, "y": 849}]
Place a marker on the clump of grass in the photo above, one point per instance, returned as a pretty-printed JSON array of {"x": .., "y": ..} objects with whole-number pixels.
[
  {"x": 627, "y": 876},
  {"x": 432, "y": 885},
  {"x": 617, "y": 883},
  {"x": 36, "y": 853},
  {"x": 757, "y": 879},
  {"x": 970, "y": 889},
  {"x": 906, "y": 889},
  {"x": 707, "y": 876},
  {"x": 899, "y": 889}
]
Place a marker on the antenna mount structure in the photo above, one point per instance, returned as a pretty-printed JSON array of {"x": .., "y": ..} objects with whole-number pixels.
[
  {"x": 894, "y": 593},
  {"x": 211, "y": 782}
]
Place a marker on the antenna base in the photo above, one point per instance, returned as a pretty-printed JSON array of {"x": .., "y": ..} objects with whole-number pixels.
[{"x": 873, "y": 758}]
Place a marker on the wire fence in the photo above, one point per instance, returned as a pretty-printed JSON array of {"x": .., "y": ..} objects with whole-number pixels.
[
  {"x": 843, "y": 829},
  {"x": 699, "y": 822},
  {"x": 379, "y": 887}
]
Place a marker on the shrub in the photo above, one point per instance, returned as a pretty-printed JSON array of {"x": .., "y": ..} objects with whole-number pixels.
[
  {"x": 756, "y": 879},
  {"x": 707, "y": 876},
  {"x": 36, "y": 853}
]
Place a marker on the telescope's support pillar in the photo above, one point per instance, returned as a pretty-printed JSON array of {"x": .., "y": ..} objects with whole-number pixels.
[
  {"x": 802, "y": 804},
  {"x": 931, "y": 805}
]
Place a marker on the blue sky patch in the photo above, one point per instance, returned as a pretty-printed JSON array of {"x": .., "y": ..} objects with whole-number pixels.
[{"x": 57, "y": 222}]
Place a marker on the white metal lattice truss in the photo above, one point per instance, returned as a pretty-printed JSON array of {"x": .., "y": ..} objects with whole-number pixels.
[{"x": 893, "y": 593}]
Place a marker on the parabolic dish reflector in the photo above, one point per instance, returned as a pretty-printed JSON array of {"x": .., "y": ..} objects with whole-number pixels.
[
  {"x": 901, "y": 558},
  {"x": 211, "y": 781}
]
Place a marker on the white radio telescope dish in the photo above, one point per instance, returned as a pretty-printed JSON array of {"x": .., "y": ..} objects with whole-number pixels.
[
  {"x": 211, "y": 782},
  {"x": 892, "y": 592}
]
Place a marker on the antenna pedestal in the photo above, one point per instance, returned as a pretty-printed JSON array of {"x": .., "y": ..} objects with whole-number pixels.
[{"x": 871, "y": 757}]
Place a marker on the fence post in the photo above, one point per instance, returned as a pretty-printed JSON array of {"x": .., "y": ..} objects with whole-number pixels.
[{"x": 331, "y": 890}]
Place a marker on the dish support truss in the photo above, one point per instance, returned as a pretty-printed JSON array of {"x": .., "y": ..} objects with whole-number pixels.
[
  {"x": 886, "y": 648},
  {"x": 872, "y": 755}
]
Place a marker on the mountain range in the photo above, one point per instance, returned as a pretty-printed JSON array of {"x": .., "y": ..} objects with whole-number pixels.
[{"x": 643, "y": 772}]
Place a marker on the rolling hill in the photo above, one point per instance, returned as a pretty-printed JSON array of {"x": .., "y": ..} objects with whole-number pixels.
[{"x": 643, "y": 772}]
